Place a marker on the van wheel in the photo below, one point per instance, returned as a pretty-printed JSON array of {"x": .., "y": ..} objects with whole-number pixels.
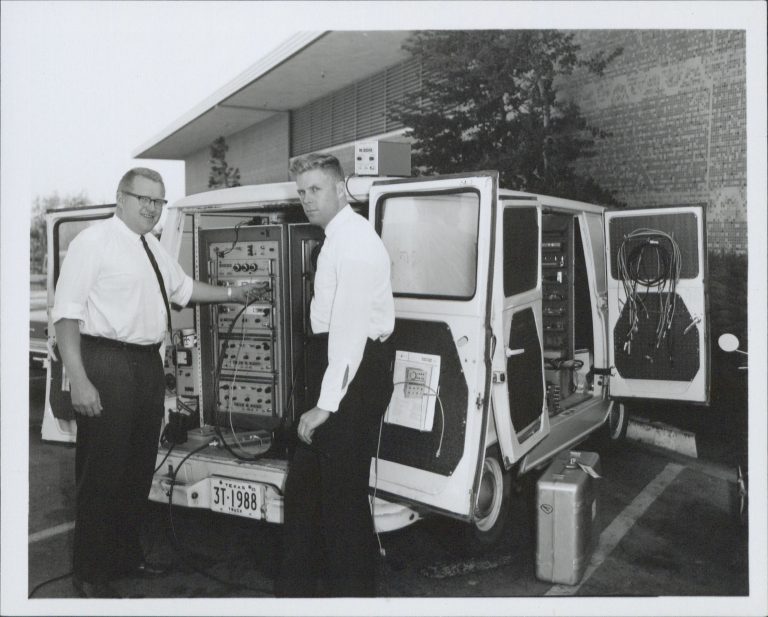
[
  {"x": 492, "y": 510},
  {"x": 614, "y": 430}
]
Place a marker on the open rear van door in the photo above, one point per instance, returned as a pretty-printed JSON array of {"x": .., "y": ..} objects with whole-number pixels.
[
  {"x": 519, "y": 405},
  {"x": 438, "y": 232},
  {"x": 62, "y": 227},
  {"x": 658, "y": 330}
]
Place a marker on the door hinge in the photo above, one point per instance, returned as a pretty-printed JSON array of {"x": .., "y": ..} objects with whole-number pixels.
[
  {"x": 499, "y": 377},
  {"x": 479, "y": 401}
]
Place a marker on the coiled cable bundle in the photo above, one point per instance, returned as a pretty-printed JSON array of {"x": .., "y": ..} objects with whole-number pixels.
[{"x": 648, "y": 261}]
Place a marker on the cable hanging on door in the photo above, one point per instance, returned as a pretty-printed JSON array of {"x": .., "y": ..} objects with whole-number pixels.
[{"x": 649, "y": 261}]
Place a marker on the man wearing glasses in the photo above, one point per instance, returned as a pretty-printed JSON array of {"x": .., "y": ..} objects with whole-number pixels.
[{"x": 111, "y": 314}]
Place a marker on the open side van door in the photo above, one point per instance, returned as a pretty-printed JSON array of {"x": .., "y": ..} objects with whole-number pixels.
[
  {"x": 658, "y": 330},
  {"x": 62, "y": 227},
  {"x": 519, "y": 403},
  {"x": 438, "y": 232}
]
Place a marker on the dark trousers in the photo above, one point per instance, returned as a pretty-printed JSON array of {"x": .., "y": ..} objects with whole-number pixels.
[
  {"x": 328, "y": 531},
  {"x": 115, "y": 458}
]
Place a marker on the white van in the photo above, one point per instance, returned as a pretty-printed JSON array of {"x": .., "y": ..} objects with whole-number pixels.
[{"x": 524, "y": 324}]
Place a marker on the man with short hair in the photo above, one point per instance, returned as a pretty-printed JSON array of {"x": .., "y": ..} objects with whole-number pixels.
[
  {"x": 328, "y": 530},
  {"x": 111, "y": 314}
]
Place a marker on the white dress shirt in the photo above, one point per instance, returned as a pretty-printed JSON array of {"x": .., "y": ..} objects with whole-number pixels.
[
  {"x": 353, "y": 299},
  {"x": 107, "y": 283}
]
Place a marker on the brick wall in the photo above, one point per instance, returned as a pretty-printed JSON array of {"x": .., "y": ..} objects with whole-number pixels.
[
  {"x": 675, "y": 105},
  {"x": 261, "y": 153}
]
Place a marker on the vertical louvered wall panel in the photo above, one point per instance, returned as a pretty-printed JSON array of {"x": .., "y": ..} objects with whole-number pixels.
[
  {"x": 354, "y": 112},
  {"x": 401, "y": 80},
  {"x": 344, "y": 106},
  {"x": 322, "y": 129},
  {"x": 371, "y": 105}
]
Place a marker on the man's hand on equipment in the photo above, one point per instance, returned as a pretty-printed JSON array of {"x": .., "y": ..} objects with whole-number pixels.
[
  {"x": 85, "y": 399},
  {"x": 310, "y": 421},
  {"x": 248, "y": 292}
]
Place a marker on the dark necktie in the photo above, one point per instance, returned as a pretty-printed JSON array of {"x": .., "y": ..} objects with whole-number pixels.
[
  {"x": 315, "y": 253},
  {"x": 159, "y": 280}
]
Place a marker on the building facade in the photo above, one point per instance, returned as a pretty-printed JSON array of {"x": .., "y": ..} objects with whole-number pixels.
[{"x": 673, "y": 104}]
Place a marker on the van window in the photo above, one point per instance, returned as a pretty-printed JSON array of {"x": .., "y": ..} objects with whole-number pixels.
[
  {"x": 521, "y": 250},
  {"x": 432, "y": 243}
]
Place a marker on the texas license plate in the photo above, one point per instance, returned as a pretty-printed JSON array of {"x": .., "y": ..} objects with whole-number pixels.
[{"x": 235, "y": 497}]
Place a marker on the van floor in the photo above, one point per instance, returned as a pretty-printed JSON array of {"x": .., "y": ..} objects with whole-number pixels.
[
  {"x": 246, "y": 443},
  {"x": 571, "y": 401}
]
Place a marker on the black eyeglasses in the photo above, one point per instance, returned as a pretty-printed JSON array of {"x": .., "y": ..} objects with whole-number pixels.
[{"x": 145, "y": 201}]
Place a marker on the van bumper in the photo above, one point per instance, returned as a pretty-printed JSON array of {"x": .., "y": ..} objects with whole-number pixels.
[
  {"x": 194, "y": 485},
  {"x": 387, "y": 516}
]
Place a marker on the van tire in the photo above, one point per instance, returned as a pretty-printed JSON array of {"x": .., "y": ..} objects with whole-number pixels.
[
  {"x": 613, "y": 432},
  {"x": 492, "y": 510}
]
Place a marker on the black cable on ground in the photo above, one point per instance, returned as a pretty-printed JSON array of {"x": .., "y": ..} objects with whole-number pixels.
[
  {"x": 189, "y": 555},
  {"x": 49, "y": 581}
]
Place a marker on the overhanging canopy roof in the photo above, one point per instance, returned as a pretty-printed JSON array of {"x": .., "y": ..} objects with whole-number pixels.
[{"x": 307, "y": 66}]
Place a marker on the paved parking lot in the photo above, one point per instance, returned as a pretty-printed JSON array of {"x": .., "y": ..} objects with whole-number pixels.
[{"x": 666, "y": 529}]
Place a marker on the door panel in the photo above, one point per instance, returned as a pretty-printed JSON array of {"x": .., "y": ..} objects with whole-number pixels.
[
  {"x": 62, "y": 227},
  {"x": 438, "y": 235},
  {"x": 519, "y": 407},
  {"x": 524, "y": 370},
  {"x": 657, "y": 306}
]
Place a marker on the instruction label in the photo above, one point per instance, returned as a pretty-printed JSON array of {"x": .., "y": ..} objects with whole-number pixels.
[{"x": 416, "y": 382}]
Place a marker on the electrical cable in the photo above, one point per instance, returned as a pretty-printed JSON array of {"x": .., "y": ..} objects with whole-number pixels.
[
  {"x": 346, "y": 187},
  {"x": 234, "y": 242},
  {"x": 175, "y": 540},
  {"x": 165, "y": 457},
  {"x": 432, "y": 392},
  {"x": 382, "y": 551},
  {"x": 48, "y": 582},
  {"x": 233, "y": 382},
  {"x": 639, "y": 247},
  {"x": 216, "y": 380},
  {"x": 184, "y": 406}
]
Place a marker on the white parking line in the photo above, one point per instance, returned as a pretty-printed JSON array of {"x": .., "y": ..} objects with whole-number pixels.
[
  {"x": 619, "y": 527},
  {"x": 50, "y": 532}
]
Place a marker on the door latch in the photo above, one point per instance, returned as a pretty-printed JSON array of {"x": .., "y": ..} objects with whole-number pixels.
[{"x": 513, "y": 352}]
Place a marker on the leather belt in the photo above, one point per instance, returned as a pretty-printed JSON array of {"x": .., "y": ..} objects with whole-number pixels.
[{"x": 108, "y": 342}]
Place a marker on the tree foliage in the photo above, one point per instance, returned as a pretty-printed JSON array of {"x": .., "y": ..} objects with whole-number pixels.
[
  {"x": 38, "y": 240},
  {"x": 489, "y": 100},
  {"x": 221, "y": 175}
]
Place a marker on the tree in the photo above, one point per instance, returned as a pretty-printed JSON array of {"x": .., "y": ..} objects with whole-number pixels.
[
  {"x": 38, "y": 240},
  {"x": 489, "y": 100},
  {"x": 222, "y": 175}
]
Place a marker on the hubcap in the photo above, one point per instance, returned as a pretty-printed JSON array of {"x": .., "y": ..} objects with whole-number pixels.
[
  {"x": 490, "y": 495},
  {"x": 616, "y": 419}
]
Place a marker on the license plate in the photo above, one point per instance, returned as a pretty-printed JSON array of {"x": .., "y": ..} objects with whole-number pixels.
[{"x": 236, "y": 497}]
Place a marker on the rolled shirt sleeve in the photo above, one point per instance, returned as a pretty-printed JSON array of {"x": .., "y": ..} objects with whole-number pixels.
[{"x": 76, "y": 278}]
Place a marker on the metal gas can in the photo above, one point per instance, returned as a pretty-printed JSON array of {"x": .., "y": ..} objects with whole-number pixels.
[{"x": 566, "y": 500}]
